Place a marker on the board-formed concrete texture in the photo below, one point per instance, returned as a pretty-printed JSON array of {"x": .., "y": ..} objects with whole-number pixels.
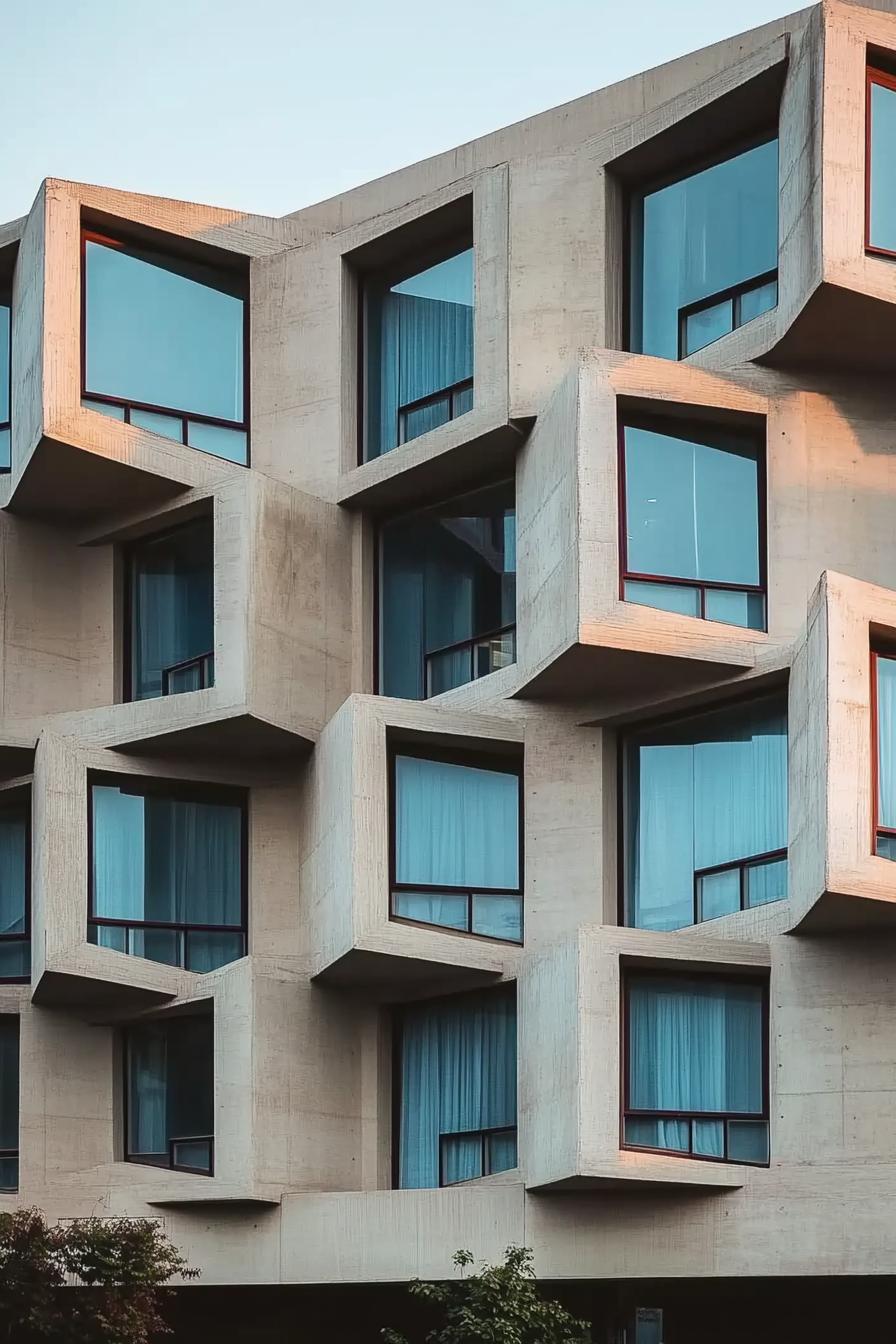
[{"x": 302, "y": 1198}]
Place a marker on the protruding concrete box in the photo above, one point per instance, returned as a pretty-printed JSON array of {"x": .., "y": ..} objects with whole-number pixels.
[
  {"x": 838, "y": 881},
  {"x": 345, "y": 867},
  {"x": 570, "y": 1001},
  {"x": 70, "y": 462},
  {"x": 576, "y": 636}
]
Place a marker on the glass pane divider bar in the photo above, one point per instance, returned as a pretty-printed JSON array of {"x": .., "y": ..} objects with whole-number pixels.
[
  {"x": 734, "y": 293},
  {"x": 714, "y": 584}
]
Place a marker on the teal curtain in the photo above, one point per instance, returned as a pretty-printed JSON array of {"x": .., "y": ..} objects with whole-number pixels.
[{"x": 458, "y": 1074}]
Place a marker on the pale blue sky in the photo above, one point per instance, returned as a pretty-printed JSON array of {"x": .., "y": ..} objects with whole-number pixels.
[{"x": 269, "y": 105}]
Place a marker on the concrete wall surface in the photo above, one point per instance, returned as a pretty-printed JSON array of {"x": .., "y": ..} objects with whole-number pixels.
[{"x": 305, "y": 1025}]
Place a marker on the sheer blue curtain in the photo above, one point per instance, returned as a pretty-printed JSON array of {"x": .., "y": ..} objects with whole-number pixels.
[
  {"x": 692, "y": 508},
  {"x": 147, "y": 1090},
  {"x": 419, "y": 342},
  {"x": 695, "y": 1045},
  {"x": 163, "y": 332},
  {"x": 698, "y": 236},
  {"x": 172, "y": 598},
  {"x": 882, "y": 221},
  {"x": 458, "y": 1074},
  {"x": 709, "y": 791},
  {"x": 886, "y": 742},
  {"x": 455, "y": 826},
  {"x": 5, "y": 330},
  {"x": 13, "y": 893},
  {"x": 118, "y": 854}
]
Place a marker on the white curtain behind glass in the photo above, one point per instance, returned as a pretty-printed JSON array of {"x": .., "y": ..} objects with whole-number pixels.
[
  {"x": 455, "y": 825},
  {"x": 712, "y": 791},
  {"x": 458, "y": 1073},
  {"x": 118, "y": 854}
]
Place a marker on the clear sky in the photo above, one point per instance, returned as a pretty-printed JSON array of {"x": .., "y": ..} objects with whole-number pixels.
[{"x": 269, "y": 105}]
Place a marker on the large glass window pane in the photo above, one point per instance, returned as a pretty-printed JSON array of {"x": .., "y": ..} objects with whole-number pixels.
[
  {"x": 455, "y": 825},
  {"x": 692, "y": 505},
  {"x": 458, "y": 1077},
  {"x": 170, "y": 1092},
  {"x": 164, "y": 866},
  {"x": 172, "y": 610},
  {"x": 700, "y": 793},
  {"x": 9, "y": 1100},
  {"x": 15, "y": 946},
  {"x": 886, "y": 755},
  {"x": 5, "y": 381},
  {"x": 419, "y": 351},
  {"x": 882, "y": 151},
  {"x": 696, "y": 239},
  {"x": 696, "y": 1047},
  {"x": 163, "y": 332},
  {"x": 447, "y": 580}
]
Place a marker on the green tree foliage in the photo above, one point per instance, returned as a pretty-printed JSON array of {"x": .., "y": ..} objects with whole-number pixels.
[
  {"x": 497, "y": 1304},
  {"x": 90, "y": 1281}
]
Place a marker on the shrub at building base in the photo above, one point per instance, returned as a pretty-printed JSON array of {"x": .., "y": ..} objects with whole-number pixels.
[
  {"x": 89, "y": 1281},
  {"x": 498, "y": 1303}
]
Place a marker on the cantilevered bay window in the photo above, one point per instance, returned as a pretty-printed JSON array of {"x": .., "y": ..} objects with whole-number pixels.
[
  {"x": 456, "y": 1088},
  {"x": 704, "y": 253},
  {"x": 164, "y": 345},
  {"x": 168, "y": 871},
  {"x": 170, "y": 625},
  {"x": 169, "y": 1094},
  {"x": 696, "y": 1066},
  {"x": 447, "y": 594},
  {"x": 9, "y": 1101},
  {"x": 455, "y": 847},
  {"x": 693, "y": 534},
  {"x": 418, "y": 347},
  {"x": 705, "y": 815}
]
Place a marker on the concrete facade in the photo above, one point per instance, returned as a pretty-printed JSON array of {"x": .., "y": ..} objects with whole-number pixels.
[{"x": 302, "y": 1193}]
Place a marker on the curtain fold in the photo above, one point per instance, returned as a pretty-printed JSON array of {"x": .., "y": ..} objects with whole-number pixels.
[
  {"x": 148, "y": 1090},
  {"x": 458, "y": 1074},
  {"x": 172, "y": 596},
  {"x": 13, "y": 892},
  {"x": 455, "y": 825},
  {"x": 709, "y": 791},
  {"x": 118, "y": 854},
  {"x": 694, "y": 1045},
  {"x": 886, "y": 741}
]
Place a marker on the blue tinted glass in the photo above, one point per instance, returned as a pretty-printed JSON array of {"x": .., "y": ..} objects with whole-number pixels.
[
  {"x": 498, "y": 917},
  {"x": 766, "y": 882},
  {"x": 163, "y": 332},
  {"x": 699, "y": 236},
  {"x": 663, "y": 596},
  {"x": 218, "y": 440},
  {"x": 718, "y": 893},
  {"x": 747, "y": 1141},
  {"x": 419, "y": 338},
  {"x": 502, "y": 1151},
  {"x": 886, "y": 747},
  {"x": 709, "y": 1138},
  {"x": 104, "y": 408},
  {"x": 461, "y": 1158},
  {"x": 644, "y": 1133},
  {"x": 169, "y": 426},
  {"x": 692, "y": 506},
  {"x": 172, "y": 607},
  {"x": 447, "y": 575},
  {"x": 705, "y": 791},
  {"x": 758, "y": 301},
  {"x": 4, "y": 362},
  {"x": 708, "y": 325},
  {"x": 9, "y": 1084},
  {"x": 15, "y": 959},
  {"x": 448, "y": 909},
  {"x": 882, "y": 221},
  {"x": 746, "y": 609}
]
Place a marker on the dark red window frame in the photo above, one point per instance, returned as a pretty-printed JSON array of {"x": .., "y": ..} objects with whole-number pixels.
[
  {"x": 634, "y": 972},
  {"x": 681, "y": 428},
  {"x": 143, "y": 252}
]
